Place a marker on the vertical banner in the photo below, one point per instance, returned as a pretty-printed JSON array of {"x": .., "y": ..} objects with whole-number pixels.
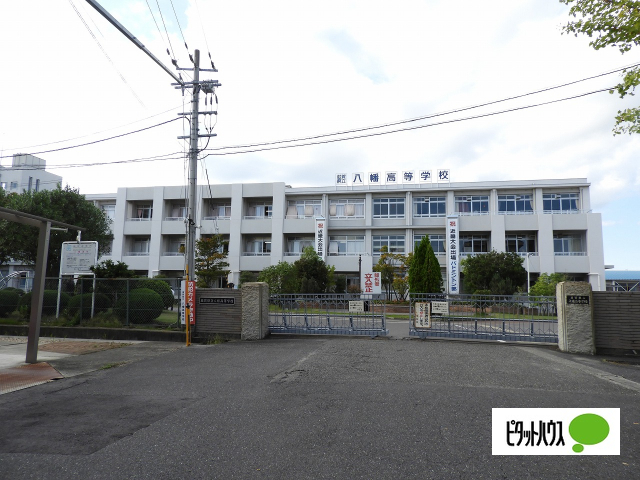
[
  {"x": 453, "y": 273},
  {"x": 188, "y": 297},
  {"x": 370, "y": 282},
  {"x": 321, "y": 233}
]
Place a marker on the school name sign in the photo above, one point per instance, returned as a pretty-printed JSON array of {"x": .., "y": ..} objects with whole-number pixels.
[{"x": 392, "y": 178}]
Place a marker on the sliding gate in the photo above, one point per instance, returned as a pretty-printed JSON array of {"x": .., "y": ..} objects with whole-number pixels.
[
  {"x": 327, "y": 314},
  {"x": 484, "y": 317}
]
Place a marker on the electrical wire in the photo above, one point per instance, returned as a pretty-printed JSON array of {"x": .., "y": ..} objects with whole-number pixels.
[
  {"x": 101, "y": 140},
  {"x": 205, "y": 36},
  {"x": 179, "y": 26},
  {"x": 166, "y": 31},
  {"x": 105, "y": 54},
  {"x": 376, "y": 134},
  {"x": 423, "y": 117}
]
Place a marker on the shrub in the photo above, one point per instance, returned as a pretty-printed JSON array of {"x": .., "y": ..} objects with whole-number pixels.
[
  {"x": 19, "y": 291},
  {"x": 161, "y": 287},
  {"x": 145, "y": 305},
  {"x": 49, "y": 301},
  {"x": 8, "y": 301},
  {"x": 102, "y": 304}
]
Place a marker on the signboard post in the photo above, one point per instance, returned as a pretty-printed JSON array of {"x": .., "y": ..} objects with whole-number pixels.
[{"x": 77, "y": 258}]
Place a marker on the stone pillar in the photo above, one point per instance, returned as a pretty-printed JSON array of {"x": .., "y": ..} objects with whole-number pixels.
[
  {"x": 255, "y": 310},
  {"x": 575, "y": 318}
]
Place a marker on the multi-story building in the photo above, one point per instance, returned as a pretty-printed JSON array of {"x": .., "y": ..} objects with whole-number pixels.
[
  {"x": 548, "y": 222},
  {"x": 27, "y": 173}
]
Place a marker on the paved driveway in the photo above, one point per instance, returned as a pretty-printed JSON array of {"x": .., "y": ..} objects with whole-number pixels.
[{"x": 310, "y": 408}]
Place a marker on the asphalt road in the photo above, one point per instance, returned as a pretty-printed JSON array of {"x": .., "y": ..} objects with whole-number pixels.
[{"x": 310, "y": 408}]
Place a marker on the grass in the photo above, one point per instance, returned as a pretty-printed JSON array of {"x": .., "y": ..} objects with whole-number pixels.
[{"x": 107, "y": 366}]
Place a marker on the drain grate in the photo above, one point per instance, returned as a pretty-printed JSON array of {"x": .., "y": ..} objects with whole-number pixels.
[{"x": 17, "y": 378}]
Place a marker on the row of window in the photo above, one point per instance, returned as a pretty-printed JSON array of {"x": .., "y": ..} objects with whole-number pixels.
[
  {"x": 392, "y": 207},
  {"x": 345, "y": 245}
]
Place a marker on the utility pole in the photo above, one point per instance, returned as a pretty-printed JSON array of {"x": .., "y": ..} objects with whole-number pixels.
[{"x": 206, "y": 86}]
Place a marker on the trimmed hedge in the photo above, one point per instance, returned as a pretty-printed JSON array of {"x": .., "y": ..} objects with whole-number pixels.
[
  {"x": 9, "y": 299},
  {"x": 102, "y": 304},
  {"x": 161, "y": 287},
  {"x": 49, "y": 301},
  {"x": 145, "y": 305}
]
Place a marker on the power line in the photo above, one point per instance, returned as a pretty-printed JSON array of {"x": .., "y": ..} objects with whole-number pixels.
[
  {"x": 375, "y": 134},
  {"x": 179, "y": 26},
  {"x": 423, "y": 117},
  {"x": 153, "y": 158},
  {"x": 105, "y": 53},
  {"x": 99, "y": 141},
  {"x": 165, "y": 31}
]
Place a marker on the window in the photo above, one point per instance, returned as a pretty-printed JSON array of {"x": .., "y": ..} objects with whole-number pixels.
[
  {"x": 520, "y": 243},
  {"x": 257, "y": 246},
  {"x": 142, "y": 212},
  {"x": 436, "y": 240},
  {"x": 346, "y": 245},
  {"x": 394, "y": 243},
  {"x": 14, "y": 185},
  {"x": 346, "y": 208},
  {"x": 175, "y": 246},
  {"x": 259, "y": 210},
  {"x": 220, "y": 211},
  {"x": 515, "y": 204},
  {"x": 388, "y": 208},
  {"x": 177, "y": 212},
  {"x": 140, "y": 247},
  {"x": 560, "y": 202},
  {"x": 472, "y": 244},
  {"x": 473, "y": 205},
  {"x": 295, "y": 245},
  {"x": 109, "y": 211},
  {"x": 310, "y": 208},
  {"x": 568, "y": 244},
  {"x": 429, "y": 207}
]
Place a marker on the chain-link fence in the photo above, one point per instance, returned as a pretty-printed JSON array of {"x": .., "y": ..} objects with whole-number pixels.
[{"x": 96, "y": 302}]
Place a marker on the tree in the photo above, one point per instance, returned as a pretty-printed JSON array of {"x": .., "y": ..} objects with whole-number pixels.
[
  {"x": 500, "y": 273},
  {"x": 424, "y": 272},
  {"x": 311, "y": 272},
  {"x": 386, "y": 269},
  {"x": 111, "y": 269},
  {"x": 615, "y": 24},
  {"x": 545, "y": 286},
  {"x": 211, "y": 253},
  {"x": 20, "y": 242},
  {"x": 281, "y": 278}
]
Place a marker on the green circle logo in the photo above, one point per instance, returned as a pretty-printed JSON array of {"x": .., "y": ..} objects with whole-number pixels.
[{"x": 588, "y": 429}]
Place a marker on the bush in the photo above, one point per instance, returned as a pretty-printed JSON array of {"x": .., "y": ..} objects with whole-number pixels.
[
  {"x": 49, "y": 301},
  {"x": 8, "y": 301},
  {"x": 19, "y": 291},
  {"x": 145, "y": 305},
  {"x": 161, "y": 287},
  {"x": 102, "y": 304}
]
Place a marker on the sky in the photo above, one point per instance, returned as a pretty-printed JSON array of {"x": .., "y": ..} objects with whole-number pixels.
[{"x": 292, "y": 69}]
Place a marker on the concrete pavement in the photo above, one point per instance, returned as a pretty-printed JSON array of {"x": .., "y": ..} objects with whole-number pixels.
[{"x": 308, "y": 408}]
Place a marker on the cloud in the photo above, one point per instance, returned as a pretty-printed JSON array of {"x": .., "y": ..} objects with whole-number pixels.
[{"x": 365, "y": 63}]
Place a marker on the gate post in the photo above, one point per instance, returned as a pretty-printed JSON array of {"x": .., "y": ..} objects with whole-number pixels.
[
  {"x": 255, "y": 310},
  {"x": 575, "y": 318}
]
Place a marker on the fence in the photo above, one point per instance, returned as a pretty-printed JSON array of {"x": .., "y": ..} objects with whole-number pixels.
[
  {"x": 89, "y": 302},
  {"x": 327, "y": 315},
  {"x": 490, "y": 317}
]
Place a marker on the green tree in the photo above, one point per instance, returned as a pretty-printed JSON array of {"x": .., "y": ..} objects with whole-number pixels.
[
  {"x": 386, "y": 269},
  {"x": 545, "y": 286},
  {"x": 111, "y": 269},
  {"x": 281, "y": 278},
  {"x": 500, "y": 273},
  {"x": 311, "y": 272},
  {"x": 20, "y": 242},
  {"x": 614, "y": 23},
  {"x": 424, "y": 272},
  {"x": 211, "y": 253}
]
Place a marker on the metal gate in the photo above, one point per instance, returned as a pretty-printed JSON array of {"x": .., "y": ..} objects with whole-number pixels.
[
  {"x": 327, "y": 314},
  {"x": 486, "y": 317}
]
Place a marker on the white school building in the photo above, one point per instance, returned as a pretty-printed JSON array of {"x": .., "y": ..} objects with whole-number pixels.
[{"x": 549, "y": 222}]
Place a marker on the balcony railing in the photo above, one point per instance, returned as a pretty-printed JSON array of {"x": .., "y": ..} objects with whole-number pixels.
[
  {"x": 137, "y": 219},
  {"x": 256, "y": 254},
  {"x": 218, "y": 217},
  {"x": 174, "y": 219},
  {"x": 137, "y": 254},
  {"x": 173, "y": 254},
  {"x": 570, "y": 254}
]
